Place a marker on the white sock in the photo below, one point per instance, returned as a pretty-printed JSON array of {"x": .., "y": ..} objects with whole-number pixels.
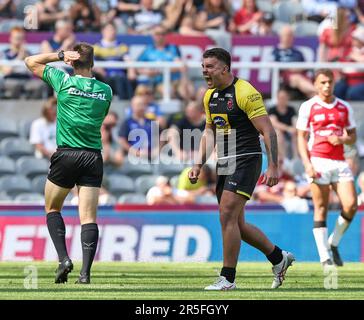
[
  {"x": 340, "y": 228},
  {"x": 322, "y": 244}
]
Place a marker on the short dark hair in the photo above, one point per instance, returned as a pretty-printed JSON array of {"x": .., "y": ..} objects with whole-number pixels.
[
  {"x": 86, "y": 60},
  {"x": 220, "y": 54},
  {"x": 327, "y": 72}
]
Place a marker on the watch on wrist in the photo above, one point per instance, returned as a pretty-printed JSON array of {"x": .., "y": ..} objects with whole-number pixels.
[{"x": 61, "y": 55}]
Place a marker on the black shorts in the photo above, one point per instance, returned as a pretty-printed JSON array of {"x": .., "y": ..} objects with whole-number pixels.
[
  {"x": 239, "y": 175},
  {"x": 70, "y": 166}
]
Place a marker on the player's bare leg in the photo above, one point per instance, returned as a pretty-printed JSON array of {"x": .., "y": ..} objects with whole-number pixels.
[
  {"x": 54, "y": 198},
  {"x": 87, "y": 206},
  {"x": 348, "y": 199},
  {"x": 231, "y": 204},
  {"x": 280, "y": 260},
  {"x": 320, "y": 197}
]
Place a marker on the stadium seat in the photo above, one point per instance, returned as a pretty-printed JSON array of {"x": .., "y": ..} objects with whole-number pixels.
[
  {"x": 206, "y": 199},
  {"x": 16, "y": 148},
  {"x": 144, "y": 183},
  {"x": 298, "y": 168},
  {"x": 38, "y": 183},
  {"x": 24, "y": 128},
  {"x": 288, "y": 11},
  {"x": 31, "y": 166},
  {"x": 8, "y": 128},
  {"x": 4, "y": 197},
  {"x": 170, "y": 170},
  {"x": 118, "y": 184},
  {"x": 265, "y": 5},
  {"x": 133, "y": 198},
  {"x": 30, "y": 197},
  {"x": 306, "y": 28},
  {"x": 15, "y": 184},
  {"x": 135, "y": 170},
  {"x": 7, "y": 166}
]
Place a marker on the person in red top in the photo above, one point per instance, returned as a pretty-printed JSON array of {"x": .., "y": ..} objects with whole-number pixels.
[
  {"x": 247, "y": 19},
  {"x": 335, "y": 40},
  {"x": 329, "y": 122},
  {"x": 351, "y": 84}
]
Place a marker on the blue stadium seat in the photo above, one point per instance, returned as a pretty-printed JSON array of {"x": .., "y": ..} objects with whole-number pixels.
[
  {"x": 7, "y": 166},
  {"x": 30, "y": 197},
  {"x": 205, "y": 199},
  {"x": 15, "y": 184},
  {"x": 288, "y": 11},
  {"x": 8, "y": 128},
  {"x": 145, "y": 182},
  {"x": 38, "y": 183},
  {"x": 16, "y": 148},
  {"x": 31, "y": 166},
  {"x": 135, "y": 170},
  {"x": 306, "y": 28},
  {"x": 133, "y": 198},
  {"x": 170, "y": 170},
  {"x": 174, "y": 181},
  {"x": 118, "y": 184}
]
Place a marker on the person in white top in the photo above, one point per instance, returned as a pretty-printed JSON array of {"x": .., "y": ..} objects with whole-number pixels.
[
  {"x": 43, "y": 130},
  {"x": 329, "y": 124}
]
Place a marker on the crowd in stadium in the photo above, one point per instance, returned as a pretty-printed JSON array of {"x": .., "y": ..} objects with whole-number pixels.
[{"x": 337, "y": 24}]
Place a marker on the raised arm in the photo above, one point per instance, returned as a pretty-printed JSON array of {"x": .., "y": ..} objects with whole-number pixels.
[
  {"x": 37, "y": 63},
  {"x": 264, "y": 126}
]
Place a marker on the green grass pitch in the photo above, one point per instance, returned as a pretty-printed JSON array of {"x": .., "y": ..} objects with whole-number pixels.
[{"x": 178, "y": 281}]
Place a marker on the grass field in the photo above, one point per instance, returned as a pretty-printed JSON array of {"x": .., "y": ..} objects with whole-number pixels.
[{"x": 180, "y": 281}]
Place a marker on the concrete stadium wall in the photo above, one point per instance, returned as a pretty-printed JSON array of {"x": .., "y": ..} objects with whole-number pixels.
[{"x": 171, "y": 235}]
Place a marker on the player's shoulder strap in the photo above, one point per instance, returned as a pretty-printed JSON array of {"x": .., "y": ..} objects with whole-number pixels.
[
  {"x": 249, "y": 99},
  {"x": 206, "y": 100}
]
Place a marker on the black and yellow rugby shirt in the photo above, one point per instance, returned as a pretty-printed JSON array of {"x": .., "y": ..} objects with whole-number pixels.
[{"x": 231, "y": 110}]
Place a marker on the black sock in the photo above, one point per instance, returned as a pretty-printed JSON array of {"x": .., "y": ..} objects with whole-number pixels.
[
  {"x": 228, "y": 273},
  {"x": 276, "y": 256},
  {"x": 57, "y": 231},
  {"x": 89, "y": 239}
]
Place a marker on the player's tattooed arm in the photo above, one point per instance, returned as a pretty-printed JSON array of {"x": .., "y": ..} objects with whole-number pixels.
[
  {"x": 273, "y": 147},
  {"x": 264, "y": 126}
]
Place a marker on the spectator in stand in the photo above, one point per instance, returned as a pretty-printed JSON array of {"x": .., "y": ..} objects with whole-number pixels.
[
  {"x": 43, "y": 130},
  {"x": 122, "y": 12},
  {"x": 291, "y": 202},
  {"x": 162, "y": 51},
  {"x": 135, "y": 133},
  {"x": 49, "y": 12},
  {"x": 335, "y": 40},
  {"x": 63, "y": 38},
  {"x": 184, "y": 147},
  {"x": 187, "y": 192},
  {"x": 286, "y": 52},
  {"x": 110, "y": 49},
  {"x": 146, "y": 18},
  {"x": 17, "y": 79},
  {"x": 181, "y": 17},
  {"x": 283, "y": 117},
  {"x": 86, "y": 16},
  {"x": 112, "y": 152},
  {"x": 351, "y": 84},
  {"x": 265, "y": 25},
  {"x": 215, "y": 15},
  {"x": 7, "y": 9},
  {"x": 246, "y": 20},
  {"x": 318, "y": 10},
  {"x": 161, "y": 193},
  {"x": 153, "y": 109}
]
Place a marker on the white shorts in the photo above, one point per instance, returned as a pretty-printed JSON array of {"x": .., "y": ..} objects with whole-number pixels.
[{"x": 331, "y": 171}]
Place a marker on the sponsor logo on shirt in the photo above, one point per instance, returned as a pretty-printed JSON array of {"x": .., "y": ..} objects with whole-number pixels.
[
  {"x": 93, "y": 95},
  {"x": 254, "y": 97},
  {"x": 228, "y": 95},
  {"x": 230, "y": 104},
  {"x": 215, "y": 95},
  {"x": 319, "y": 117}
]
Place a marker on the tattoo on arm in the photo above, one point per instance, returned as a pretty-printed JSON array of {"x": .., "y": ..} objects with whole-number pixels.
[{"x": 273, "y": 147}]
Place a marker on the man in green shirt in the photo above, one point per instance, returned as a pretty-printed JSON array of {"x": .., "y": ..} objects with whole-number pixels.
[{"x": 83, "y": 103}]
